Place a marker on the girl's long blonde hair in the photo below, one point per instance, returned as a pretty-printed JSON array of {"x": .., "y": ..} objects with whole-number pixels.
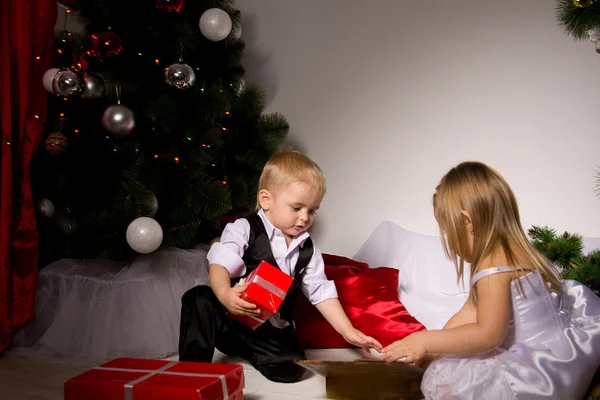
[{"x": 482, "y": 192}]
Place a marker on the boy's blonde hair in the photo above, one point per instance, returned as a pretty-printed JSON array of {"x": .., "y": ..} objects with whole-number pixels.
[
  {"x": 482, "y": 192},
  {"x": 287, "y": 167}
]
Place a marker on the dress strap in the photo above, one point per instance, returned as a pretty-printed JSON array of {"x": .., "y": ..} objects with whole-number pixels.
[{"x": 495, "y": 270}]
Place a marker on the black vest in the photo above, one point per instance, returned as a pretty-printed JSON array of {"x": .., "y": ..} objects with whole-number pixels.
[{"x": 259, "y": 249}]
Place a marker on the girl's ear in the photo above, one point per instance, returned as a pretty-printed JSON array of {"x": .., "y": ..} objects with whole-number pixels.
[
  {"x": 467, "y": 220},
  {"x": 264, "y": 198}
]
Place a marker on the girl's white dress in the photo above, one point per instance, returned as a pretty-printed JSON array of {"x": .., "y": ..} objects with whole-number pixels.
[{"x": 551, "y": 350}]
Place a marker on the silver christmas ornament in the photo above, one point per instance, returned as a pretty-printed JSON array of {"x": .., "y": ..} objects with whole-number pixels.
[
  {"x": 144, "y": 235},
  {"x": 215, "y": 24},
  {"x": 46, "y": 208},
  {"x": 94, "y": 87},
  {"x": 594, "y": 34},
  {"x": 180, "y": 76},
  {"x": 118, "y": 120},
  {"x": 49, "y": 79},
  {"x": 67, "y": 82}
]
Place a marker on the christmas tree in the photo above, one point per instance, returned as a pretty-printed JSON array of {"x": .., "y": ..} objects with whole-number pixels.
[{"x": 152, "y": 134}]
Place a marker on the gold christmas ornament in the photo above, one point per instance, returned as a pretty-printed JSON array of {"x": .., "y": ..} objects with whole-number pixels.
[
  {"x": 582, "y": 3},
  {"x": 56, "y": 143}
]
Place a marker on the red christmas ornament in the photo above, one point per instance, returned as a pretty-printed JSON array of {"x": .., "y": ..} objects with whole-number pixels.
[
  {"x": 69, "y": 5},
  {"x": 170, "y": 5},
  {"x": 105, "y": 44}
]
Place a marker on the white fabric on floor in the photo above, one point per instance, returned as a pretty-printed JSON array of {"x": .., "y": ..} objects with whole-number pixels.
[{"x": 91, "y": 312}]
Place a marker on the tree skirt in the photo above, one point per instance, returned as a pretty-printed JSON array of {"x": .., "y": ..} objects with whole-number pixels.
[{"x": 89, "y": 312}]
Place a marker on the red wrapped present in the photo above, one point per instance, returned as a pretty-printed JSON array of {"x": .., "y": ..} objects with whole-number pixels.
[
  {"x": 267, "y": 288},
  {"x": 140, "y": 379}
]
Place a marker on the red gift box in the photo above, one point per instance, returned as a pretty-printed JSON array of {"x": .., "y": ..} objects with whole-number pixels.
[
  {"x": 267, "y": 287},
  {"x": 140, "y": 379}
]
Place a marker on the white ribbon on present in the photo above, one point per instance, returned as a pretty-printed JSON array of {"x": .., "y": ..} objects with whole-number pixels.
[
  {"x": 265, "y": 284},
  {"x": 162, "y": 370},
  {"x": 262, "y": 321}
]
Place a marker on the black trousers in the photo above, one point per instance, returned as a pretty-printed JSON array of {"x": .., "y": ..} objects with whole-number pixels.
[{"x": 204, "y": 326}]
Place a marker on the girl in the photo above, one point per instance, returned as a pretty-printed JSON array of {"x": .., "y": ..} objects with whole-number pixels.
[{"x": 523, "y": 333}]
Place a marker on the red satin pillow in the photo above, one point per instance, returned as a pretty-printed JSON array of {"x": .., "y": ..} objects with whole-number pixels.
[{"x": 369, "y": 297}]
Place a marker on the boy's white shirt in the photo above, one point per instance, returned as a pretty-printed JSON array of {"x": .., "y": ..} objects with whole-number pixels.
[{"x": 229, "y": 251}]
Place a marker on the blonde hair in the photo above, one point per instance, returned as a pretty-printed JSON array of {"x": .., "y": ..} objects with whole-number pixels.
[
  {"x": 287, "y": 167},
  {"x": 482, "y": 192}
]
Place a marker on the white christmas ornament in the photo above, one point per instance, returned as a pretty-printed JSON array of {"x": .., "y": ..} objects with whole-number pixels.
[
  {"x": 46, "y": 207},
  {"x": 144, "y": 235},
  {"x": 49, "y": 79},
  {"x": 215, "y": 24}
]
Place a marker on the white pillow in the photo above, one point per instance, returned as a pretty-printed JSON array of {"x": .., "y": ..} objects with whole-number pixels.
[{"x": 428, "y": 281}]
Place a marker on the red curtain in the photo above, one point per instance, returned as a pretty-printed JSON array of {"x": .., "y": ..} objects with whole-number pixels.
[{"x": 27, "y": 36}]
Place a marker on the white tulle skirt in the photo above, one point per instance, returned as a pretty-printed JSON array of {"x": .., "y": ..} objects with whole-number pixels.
[{"x": 94, "y": 311}]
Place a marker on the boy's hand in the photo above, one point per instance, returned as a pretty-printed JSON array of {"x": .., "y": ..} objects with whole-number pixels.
[
  {"x": 235, "y": 304},
  {"x": 357, "y": 338}
]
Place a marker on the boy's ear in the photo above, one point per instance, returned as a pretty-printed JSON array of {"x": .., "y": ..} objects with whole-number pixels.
[{"x": 264, "y": 198}]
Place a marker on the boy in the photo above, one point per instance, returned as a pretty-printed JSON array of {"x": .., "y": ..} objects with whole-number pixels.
[{"x": 290, "y": 191}]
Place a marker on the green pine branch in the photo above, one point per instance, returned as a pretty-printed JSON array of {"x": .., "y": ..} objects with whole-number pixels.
[
  {"x": 587, "y": 271},
  {"x": 577, "y": 21},
  {"x": 566, "y": 251},
  {"x": 563, "y": 250}
]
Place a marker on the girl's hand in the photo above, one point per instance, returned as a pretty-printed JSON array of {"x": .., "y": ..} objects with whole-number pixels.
[
  {"x": 357, "y": 338},
  {"x": 408, "y": 350}
]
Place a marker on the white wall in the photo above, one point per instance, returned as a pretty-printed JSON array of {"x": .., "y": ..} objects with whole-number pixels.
[{"x": 386, "y": 95}]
